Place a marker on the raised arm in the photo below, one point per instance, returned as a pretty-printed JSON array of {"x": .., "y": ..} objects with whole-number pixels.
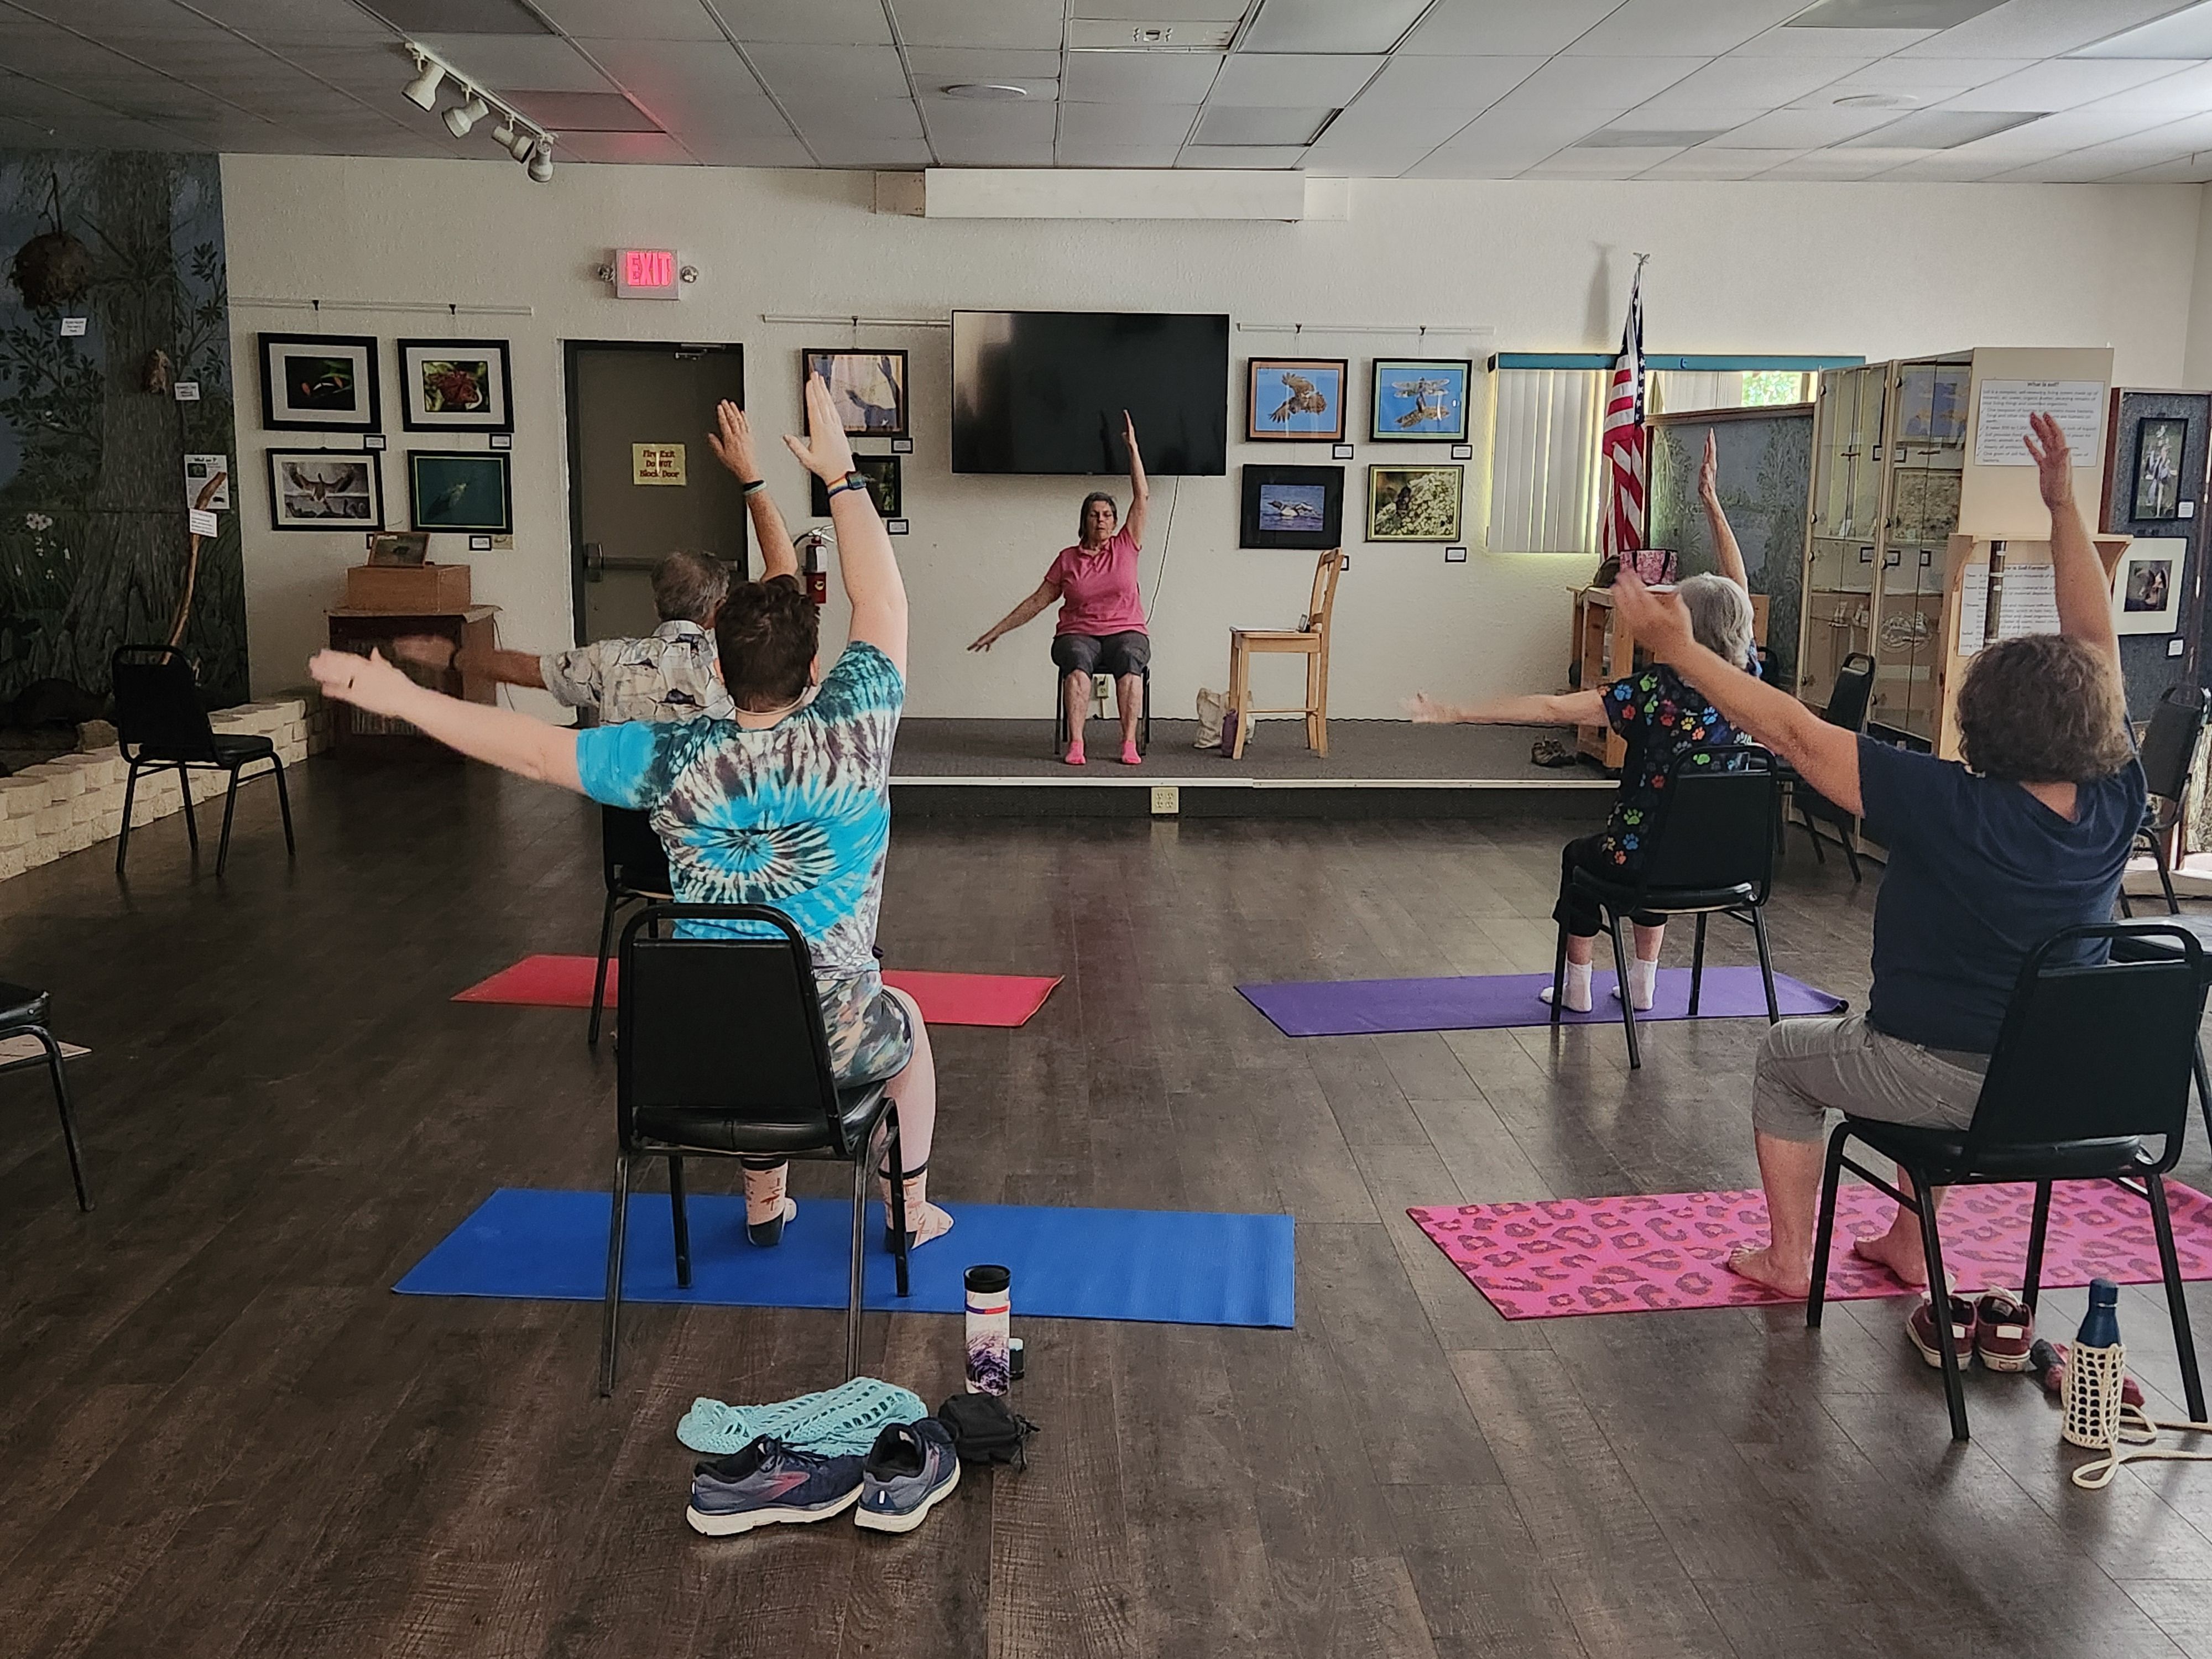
[
  {"x": 1728, "y": 557},
  {"x": 1827, "y": 756},
  {"x": 500, "y": 737},
  {"x": 1140, "y": 492},
  {"x": 1571, "y": 708},
  {"x": 864, "y": 559},
  {"x": 504, "y": 667},
  {"x": 2085, "y": 589},
  {"x": 732, "y": 443},
  {"x": 1046, "y": 591}
]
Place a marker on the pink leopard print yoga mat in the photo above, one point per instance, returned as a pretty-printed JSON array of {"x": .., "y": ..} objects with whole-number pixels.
[{"x": 1558, "y": 1257}]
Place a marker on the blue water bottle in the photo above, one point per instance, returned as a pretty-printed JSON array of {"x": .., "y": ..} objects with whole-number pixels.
[{"x": 2101, "y": 1326}]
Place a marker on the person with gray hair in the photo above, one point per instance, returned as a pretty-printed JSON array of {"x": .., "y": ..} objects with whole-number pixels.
[
  {"x": 1660, "y": 717},
  {"x": 672, "y": 673}
]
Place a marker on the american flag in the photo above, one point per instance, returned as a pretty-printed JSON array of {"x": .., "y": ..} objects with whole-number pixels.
[{"x": 1623, "y": 448}]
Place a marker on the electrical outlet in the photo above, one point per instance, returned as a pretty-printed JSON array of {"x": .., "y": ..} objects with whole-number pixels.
[
  {"x": 2174, "y": 648},
  {"x": 1167, "y": 800}
]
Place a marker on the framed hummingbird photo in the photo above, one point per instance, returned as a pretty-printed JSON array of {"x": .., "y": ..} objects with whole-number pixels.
[
  {"x": 1298, "y": 398},
  {"x": 461, "y": 490},
  {"x": 1293, "y": 507},
  {"x": 325, "y": 489},
  {"x": 319, "y": 383},
  {"x": 1420, "y": 399}
]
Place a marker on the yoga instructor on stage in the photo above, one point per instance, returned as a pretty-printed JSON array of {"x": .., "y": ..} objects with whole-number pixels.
[{"x": 1102, "y": 617}]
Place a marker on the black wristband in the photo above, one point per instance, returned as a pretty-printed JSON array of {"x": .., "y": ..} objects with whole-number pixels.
[{"x": 756, "y": 484}]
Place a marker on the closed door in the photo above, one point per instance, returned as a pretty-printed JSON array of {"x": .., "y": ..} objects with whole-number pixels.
[{"x": 642, "y": 482}]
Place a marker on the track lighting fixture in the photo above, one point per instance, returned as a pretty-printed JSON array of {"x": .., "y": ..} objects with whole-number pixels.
[
  {"x": 519, "y": 137},
  {"x": 423, "y": 90},
  {"x": 462, "y": 117},
  {"x": 503, "y": 135},
  {"x": 541, "y": 162},
  {"x": 521, "y": 145}
]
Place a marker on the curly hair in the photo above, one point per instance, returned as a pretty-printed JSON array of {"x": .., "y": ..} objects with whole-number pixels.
[
  {"x": 766, "y": 634},
  {"x": 2043, "y": 710}
]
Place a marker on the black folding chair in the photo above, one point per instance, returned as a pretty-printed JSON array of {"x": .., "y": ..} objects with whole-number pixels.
[
  {"x": 2169, "y": 755},
  {"x": 635, "y": 866},
  {"x": 160, "y": 723},
  {"x": 720, "y": 1053},
  {"x": 23, "y": 1013},
  {"x": 1710, "y": 851},
  {"x": 2091, "y": 1062},
  {"x": 1059, "y": 734},
  {"x": 2162, "y": 945},
  {"x": 1848, "y": 700}
]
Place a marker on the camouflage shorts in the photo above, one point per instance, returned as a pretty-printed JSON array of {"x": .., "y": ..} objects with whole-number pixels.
[{"x": 870, "y": 1037}]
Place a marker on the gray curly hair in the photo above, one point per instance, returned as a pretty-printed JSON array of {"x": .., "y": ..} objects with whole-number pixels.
[{"x": 1720, "y": 615}]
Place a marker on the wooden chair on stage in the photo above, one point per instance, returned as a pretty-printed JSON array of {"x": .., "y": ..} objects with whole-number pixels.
[{"x": 1309, "y": 638}]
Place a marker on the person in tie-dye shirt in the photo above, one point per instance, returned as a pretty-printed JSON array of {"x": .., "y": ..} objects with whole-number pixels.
[{"x": 786, "y": 803}]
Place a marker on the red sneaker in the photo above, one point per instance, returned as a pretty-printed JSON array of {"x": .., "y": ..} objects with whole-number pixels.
[
  {"x": 1921, "y": 1328},
  {"x": 2004, "y": 1331}
]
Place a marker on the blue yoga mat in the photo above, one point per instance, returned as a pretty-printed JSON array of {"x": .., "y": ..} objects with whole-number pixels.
[
  {"x": 1160, "y": 1266},
  {"x": 1365, "y": 1007}
]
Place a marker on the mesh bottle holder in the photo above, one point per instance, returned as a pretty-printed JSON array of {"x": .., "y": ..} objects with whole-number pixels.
[
  {"x": 841, "y": 1420},
  {"x": 2098, "y": 1419}
]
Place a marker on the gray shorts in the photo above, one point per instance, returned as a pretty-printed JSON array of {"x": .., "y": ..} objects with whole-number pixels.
[{"x": 1807, "y": 1068}]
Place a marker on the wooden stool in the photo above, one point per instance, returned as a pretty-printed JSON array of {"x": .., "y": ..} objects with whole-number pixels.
[{"x": 1309, "y": 640}]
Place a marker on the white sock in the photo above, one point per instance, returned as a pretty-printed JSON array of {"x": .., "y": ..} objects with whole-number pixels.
[
  {"x": 1643, "y": 982},
  {"x": 1577, "y": 997}
]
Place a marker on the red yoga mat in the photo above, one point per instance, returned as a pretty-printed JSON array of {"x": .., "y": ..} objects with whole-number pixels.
[{"x": 561, "y": 981}]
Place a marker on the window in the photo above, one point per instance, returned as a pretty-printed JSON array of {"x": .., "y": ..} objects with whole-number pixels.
[{"x": 1543, "y": 485}]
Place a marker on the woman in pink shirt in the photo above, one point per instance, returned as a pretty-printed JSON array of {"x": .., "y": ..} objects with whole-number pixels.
[{"x": 1102, "y": 616}]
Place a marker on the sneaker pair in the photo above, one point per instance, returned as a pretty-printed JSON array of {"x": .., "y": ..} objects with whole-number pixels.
[
  {"x": 911, "y": 1468},
  {"x": 1996, "y": 1328}
]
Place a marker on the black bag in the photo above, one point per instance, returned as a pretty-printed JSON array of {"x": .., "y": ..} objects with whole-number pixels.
[{"x": 984, "y": 1431}]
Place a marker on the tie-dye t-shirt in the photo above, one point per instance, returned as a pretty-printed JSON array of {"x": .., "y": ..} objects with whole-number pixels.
[
  {"x": 1660, "y": 715},
  {"x": 797, "y": 816}
]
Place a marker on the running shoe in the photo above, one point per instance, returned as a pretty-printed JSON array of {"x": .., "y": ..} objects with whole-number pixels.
[
  {"x": 1921, "y": 1328},
  {"x": 767, "y": 1482},
  {"x": 2004, "y": 1331},
  {"x": 909, "y": 1469}
]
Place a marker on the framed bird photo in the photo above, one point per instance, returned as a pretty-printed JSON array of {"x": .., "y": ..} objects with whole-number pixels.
[
  {"x": 319, "y": 383},
  {"x": 325, "y": 489},
  {"x": 1299, "y": 398},
  {"x": 1420, "y": 399},
  {"x": 868, "y": 387},
  {"x": 1293, "y": 507},
  {"x": 454, "y": 385},
  {"x": 1413, "y": 503},
  {"x": 463, "y": 490}
]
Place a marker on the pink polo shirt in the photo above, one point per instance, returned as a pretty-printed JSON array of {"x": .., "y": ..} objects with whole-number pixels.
[{"x": 1098, "y": 588}]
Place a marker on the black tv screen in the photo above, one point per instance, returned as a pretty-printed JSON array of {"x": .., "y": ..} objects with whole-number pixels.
[{"x": 1043, "y": 390}]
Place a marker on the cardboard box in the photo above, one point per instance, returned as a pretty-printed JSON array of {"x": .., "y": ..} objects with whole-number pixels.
[{"x": 420, "y": 590}]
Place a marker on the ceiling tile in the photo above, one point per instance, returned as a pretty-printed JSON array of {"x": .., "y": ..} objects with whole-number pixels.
[
  {"x": 1710, "y": 162},
  {"x": 2060, "y": 84},
  {"x": 635, "y": 148},
  {"x": 1808, "y": 129},
  {"x": 1465, "y": 84},
  {"x": 1824, "y": 43},
  {"x": 1505, "y": 28},
  {"x": 831, "y": 75},
  {"x": 1365, "y": 160},
  {"x": 1161, "y": 11},
  {"x": 458, "y": 16},
  {"x": 1125, "y": 123},
  {"x": 1241, "y": 125},
  {"x": 282, "y": 23},
  {"x": 1138, "y": 77},
  {"x": 581, "y": 112},
  {"x": 1835, "y": 164},
  {"x": 869, "y": 118},
  {"x": 2188, "y": 170},
  {"x": 2185, "y": 33},
  {"x": 1925, "y": 80},
  {"x": 1331, "y": 25},
  {"x": 1681, "y": 28},
  {"x": 810, "y": 22},
  {"x": 1950, "y": 167},
  {"x": 1311, "y": 78},
  {"x": 2039, "y": 29},
  {"x": 501, "y": 61},
  {"x": 993, "y": 152},
  {"x": 632, "y": 19},
  {"x": 939, "y": 66},
  {"x": 2185, "y": 92},
  {"x": 1373, "y": 126},
  {"x": 2073, "y": 130},
  {"x": 1513, "y": 134},
  {"x": 1602, "y": 83},
  {"x": 1032, "y": 24},
  {"x": 957, "y": 120},
  {"x": 1752, "y": 85},
  {"x": 847, "y": 150},
  {"x": 736, "y": 149},
  {"x": 1595, "y": 164},
  {"x": 693, "y": 66},
  {"x": 1083, "y": 153},
  {"x": 1241, "y": 155}
]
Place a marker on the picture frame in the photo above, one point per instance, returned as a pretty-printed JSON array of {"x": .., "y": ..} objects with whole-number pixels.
[
  {"x": 1420, "y": 399},
  {"x": 398, "y": 548},
  {"x": 1415, "y": 503},
  {"x": 455, "y": 385},
  {"x": 325, "y": 489},
  {"x": 868, "y": 387},
  {"x": 886, "y": 486},
  {"x": 2161, "y": 442},
  {"x": 1295, "y": 399},
  {"x": 1298, "y": 508},
  {"x": 461, "y": 490},
  {"x": 2148, "y": 586},
  {"x": 319, "y": 383}
]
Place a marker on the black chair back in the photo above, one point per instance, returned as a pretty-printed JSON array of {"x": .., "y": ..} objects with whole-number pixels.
[
  {"x": 2169, "y": 748},
  {"x": 631, "y": 857},
  {"x": 1715, "y": 826},
  {"x": 158, "y": 715},
  {"x": 1853, "y": 690},
  {"x": 730, "y": 1025},
  {"x": 2095, "y": 1052}
]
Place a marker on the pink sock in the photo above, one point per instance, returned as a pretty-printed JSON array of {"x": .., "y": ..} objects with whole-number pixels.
[
  {"x": 1130, "y": 757},
  {"x": 1075, "y": 753}
]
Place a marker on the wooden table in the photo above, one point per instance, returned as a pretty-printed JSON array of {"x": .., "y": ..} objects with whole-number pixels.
[{"x": 355, "y": 731}]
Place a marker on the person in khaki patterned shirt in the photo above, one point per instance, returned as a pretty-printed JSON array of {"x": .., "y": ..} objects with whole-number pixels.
[{"x": 672, "y": 673}]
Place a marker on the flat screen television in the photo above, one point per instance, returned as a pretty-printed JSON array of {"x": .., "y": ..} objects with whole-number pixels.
[{"x": 1043, "y": 390}]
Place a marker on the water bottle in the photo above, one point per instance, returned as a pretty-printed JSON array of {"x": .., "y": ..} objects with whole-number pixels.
[
  {"x": 2101, "y": 1326},
  {"x": 990, "y": 1310},
  {"x": 2096, "y": 1372}
]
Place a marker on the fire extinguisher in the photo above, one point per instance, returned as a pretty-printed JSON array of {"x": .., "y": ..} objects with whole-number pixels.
[{"x": 817, "y": 579}]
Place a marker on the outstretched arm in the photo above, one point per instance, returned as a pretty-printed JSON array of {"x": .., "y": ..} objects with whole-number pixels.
[
  {"x": 1726, "y": 554},
  {"x": 1027, "y": 611},
  {"x": 500, "y": 737},
  {"x": 1573, "y": 708},
  {"x": 1140, "y": 491},
  {"x": 1827, "y": 755},
  {"x": 2085, "y": 590},
  {"x": 731, "y": 440},
  {"x": 505, "y": 667},
  {"x": 864, "y": 560}
]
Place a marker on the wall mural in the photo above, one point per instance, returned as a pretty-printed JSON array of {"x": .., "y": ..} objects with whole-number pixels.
[{"x": 94, "y": 442}]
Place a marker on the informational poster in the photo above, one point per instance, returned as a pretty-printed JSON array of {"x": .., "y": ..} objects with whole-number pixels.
[
  {"x": 2001, "y": 419},
  {"x": 656, "y": 463},
  {"x": 2029, "y": 604},
  {"x": 201, "y": 524},
  {"x": 199, "y": 469}
]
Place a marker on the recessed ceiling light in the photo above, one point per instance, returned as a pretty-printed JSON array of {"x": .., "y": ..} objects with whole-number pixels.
[
  {"x": 1875, "y": 100},
  {"x": 989, "y": 92}
]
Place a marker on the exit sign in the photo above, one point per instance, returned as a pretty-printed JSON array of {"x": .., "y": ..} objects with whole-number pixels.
[{"x": 647, "y": 273}]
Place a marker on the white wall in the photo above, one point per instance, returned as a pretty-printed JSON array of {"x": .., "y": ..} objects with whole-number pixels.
[{"x": 1869, "y": 269}]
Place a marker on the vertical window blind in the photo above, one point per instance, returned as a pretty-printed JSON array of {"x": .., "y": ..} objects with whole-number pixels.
[{"x": 1544, "y": 478}]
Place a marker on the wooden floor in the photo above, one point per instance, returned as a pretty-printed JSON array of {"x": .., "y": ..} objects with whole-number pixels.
[{"x": 220, "y": 1433}]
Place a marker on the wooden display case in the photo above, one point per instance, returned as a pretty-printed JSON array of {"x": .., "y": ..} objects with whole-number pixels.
[{"x": 356, "y": 731}]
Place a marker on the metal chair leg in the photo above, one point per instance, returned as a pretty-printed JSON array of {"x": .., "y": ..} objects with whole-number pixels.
[
  {"x": 857, "y": 1284},
  {"x": 1698, "y": 965},
  {"x": 1559, "y": 974},
  {"x": 191, "y": 824},
  {"x": 129, "y": 793},
  {"x": 1627, "y": 1002},
  {"x": 284, "y": 806},
  {"x": 1850, "y": 857},
  {"x": 897, "y": 1173},
  {"x": 229, "y": 810},
  {"x": 1816, "y": 1298},
  {"x": 678, "y": 1215},
  {"x": 68, "y": 1118},
  {"x": 2176, "y": 1301},
  {"x": 2203, "y": 1088},
  {"x": 617, "y": 1225},
  {"x": 1765, "y": 964},
  {"x": 2039, "y": 1229},
  {"x": 1939, "y": 1297},
  {"x": 1820, "y": 855},
  {"x": 2165, "y": 875},
  {"x": 599, "y": 984}
]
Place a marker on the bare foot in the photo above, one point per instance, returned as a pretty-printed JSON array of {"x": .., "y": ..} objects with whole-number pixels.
[
  {"x": 1763, "y": 1266},
  {"x": 1901, "y": 1258},
  {"x": 928, "y": 1222}
]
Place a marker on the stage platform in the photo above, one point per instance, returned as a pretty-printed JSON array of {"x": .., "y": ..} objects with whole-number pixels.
[{"x": 1374, "y": 769}]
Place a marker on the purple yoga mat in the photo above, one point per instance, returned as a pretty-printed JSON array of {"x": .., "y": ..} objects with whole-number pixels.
[{"x": 1362, "y": 1008}]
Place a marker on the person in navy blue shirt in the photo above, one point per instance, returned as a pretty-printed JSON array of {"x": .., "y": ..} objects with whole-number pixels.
[{"x": 1987, "y": 860}]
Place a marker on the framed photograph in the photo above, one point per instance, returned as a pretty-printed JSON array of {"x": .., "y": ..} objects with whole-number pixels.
[
  {"x": 1294, "y": 507},
  {"x": 319, "y": 383},
  {"x": 2159, "y": 440},
  {"x": 1420, "y": 399},
  {"x": 1300, "y": 398},
  {"x": 868, "y": 387},
  {"x": 1413, "y": 503},
  {"x": 455, "y": 385},
  {"x": 882, "y": 473},
  {"x": 2147, "y": 587},
  {"x": 403, "y": 548},
  {"x": 466, "y": 491},
  {"x": 325, "y": 489}
]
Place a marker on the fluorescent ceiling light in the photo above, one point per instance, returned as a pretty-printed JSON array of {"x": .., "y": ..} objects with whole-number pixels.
[
  {"x": 1623, "y": 138},
  {"x": 1368, "y": 26},
  {"x": 1890, "y": 14},
  {"x": 1940, "y": 129},
  {"x": 2185, "y": 34}
]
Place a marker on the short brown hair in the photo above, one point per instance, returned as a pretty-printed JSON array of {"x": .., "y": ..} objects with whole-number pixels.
[
  {"x": 767, "y": 634},
  {"x": 2043, "y": 710},
  {"x": 688, "y": 586},
  {"x": 1082, "y": 513}
]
